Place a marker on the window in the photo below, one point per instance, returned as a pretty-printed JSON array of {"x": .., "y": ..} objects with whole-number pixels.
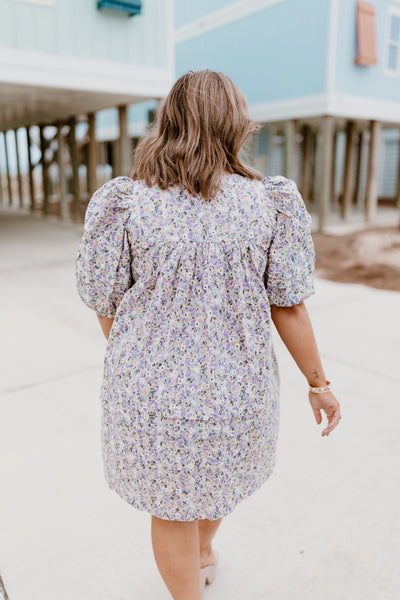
[
  {"x": 130, "y": 7},
  {"x": 393, "y": 42},
  {"x": 366, "y": 34}
]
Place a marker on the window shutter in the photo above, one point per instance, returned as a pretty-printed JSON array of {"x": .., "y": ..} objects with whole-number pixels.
[{"x": 366, "y": 34}]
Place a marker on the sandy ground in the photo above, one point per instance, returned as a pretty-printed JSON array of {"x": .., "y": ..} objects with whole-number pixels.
[
  {"x": 371, "y": 257},
  {"x": 324, "y": 526}
]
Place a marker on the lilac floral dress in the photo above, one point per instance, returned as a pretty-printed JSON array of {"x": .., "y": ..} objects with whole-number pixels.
[{"x": 190, "y": 390}]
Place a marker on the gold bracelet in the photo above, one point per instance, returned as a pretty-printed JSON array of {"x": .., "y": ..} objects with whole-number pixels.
[{"x": 321, "y": 390}]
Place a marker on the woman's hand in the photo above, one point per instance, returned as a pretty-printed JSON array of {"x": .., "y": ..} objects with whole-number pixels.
[
  {"x": 330, "y": 405},
  {"x": 294, "y": 326}
]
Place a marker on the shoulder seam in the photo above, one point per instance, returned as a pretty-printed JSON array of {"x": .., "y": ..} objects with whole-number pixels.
[{"x": 279, "y": 203}]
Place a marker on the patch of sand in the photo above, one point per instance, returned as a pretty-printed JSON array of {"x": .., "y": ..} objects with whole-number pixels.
[{"x": 371, "y": 257}]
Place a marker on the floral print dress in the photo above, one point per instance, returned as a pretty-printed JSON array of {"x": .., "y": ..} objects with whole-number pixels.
[{"x": 190, "y": 390}]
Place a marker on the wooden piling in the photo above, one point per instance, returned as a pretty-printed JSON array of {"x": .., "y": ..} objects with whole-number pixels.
[
  {"x": 326, "y": 171},
  {"x": 359, "y": 197},
  {"x": 124, "y": 158},
  {"x": 272, "y": 147},
  {"x": 306, "y": 166},
  {"x": 1, "y": 182},
  {"x": 349, "y": 169},
  {"x": 334, "y": 195},
  {"x": 398, "y": 179},
  {"x": 32, "y": 202},
  {"x": 73, "y": 148},
  {"x": 64, "y": 210},
  {"x": 92, "y": 154},
  {"x": 290, "y": 148},
  {"x": 371, "y": 197},
  {"x": 10, "y": 196},
  {"x": 43, "y": 146},
  {"x": 20, "y": 190}
]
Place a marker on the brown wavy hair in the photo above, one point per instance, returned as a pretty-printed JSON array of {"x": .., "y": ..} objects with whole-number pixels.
[{"x": 201, "y": 127}]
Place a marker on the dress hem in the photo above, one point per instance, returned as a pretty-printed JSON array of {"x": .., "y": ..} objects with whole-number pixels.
[{"x": 244, "y": 496}]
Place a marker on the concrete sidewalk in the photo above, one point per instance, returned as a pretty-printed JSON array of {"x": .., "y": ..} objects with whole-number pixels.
[{"x": 326, "y": 525}]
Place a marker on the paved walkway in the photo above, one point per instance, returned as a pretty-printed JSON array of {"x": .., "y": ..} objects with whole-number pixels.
[{"x": 326, "y": 524}]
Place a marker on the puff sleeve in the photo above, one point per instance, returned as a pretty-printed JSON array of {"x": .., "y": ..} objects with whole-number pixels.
[
  {"x": 103, "y": 262},
  {"x": 288, "y": 276}
]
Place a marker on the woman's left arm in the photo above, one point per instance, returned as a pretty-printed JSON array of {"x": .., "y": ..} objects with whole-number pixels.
[
  {"x": 106, "y": 324},
  {"x": 294, "y": 327}
]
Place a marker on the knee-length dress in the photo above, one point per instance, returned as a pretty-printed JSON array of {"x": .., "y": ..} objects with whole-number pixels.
[{"x": 190, "y": 389}]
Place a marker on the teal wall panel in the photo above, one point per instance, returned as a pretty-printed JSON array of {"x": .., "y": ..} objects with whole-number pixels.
[
  {"x": 275, "y": 53},
  {"x": 77, "y": 28},
  {"x": 7, "y": 23},
  {"x": 189, "y": 10},
  {"x": 26, "y": 32}
]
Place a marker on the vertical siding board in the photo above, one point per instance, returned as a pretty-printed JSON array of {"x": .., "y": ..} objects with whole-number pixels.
[
  {"x": 44, "y": 24},
  {"x": 139, "y": 37},
  {"x": 8, "y": 22},
  {"x": 25, "y": 34},
  {"x": 390, "y": 158},
  {"x": 100, "y": 39},
  {"x": 82, "y": 30}
]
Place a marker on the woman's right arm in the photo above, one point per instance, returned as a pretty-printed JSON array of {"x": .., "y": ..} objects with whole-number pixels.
[{"x": 294, "y": 327}]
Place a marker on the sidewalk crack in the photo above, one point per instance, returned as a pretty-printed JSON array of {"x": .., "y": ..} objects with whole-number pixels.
[{"x": 3, "y": 590}]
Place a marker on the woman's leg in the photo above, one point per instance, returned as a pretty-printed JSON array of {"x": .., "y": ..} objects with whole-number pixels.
[
  {"x": 207, "y": 530},
  {"x": 177, "y": 555}
]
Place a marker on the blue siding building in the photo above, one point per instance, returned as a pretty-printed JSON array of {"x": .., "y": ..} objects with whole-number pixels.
[
  {"x": 323, "y": 77},
  {"x": 274, "y": 50}
]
